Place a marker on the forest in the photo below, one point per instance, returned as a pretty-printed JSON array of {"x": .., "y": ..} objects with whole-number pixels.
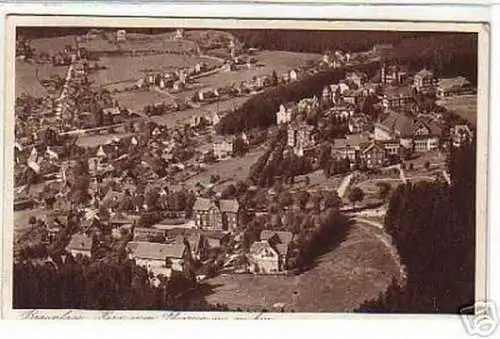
[{"x": 433, "y": 228}]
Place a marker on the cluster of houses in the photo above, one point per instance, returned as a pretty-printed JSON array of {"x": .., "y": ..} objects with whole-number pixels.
[
  {"x": 174, "y": 80},
  {"x": 395, "y": 133}
]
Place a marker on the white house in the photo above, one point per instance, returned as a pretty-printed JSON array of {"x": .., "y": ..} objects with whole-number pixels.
[
  {"x": 285, "y": 113},
  {"x": 160, "y": 258},
  {"x": 80, "y": 244}
]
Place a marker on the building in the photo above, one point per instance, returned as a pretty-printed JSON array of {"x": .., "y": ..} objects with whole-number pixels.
[
  {"x": 149, "y": 234},
  {"x": 270, "y": 253},
  {"x": 398, "y": 97},
  {"x": 263, "y": 258},
  {"x": 80, "y": 244},
  {"x": 300, "y": 137},
  {"x": 160, "y": 258},
  {"x": 453, "y": 86},
  {"x": 217, "y": 214},
  {"x": 179, "y": 34},
  {"x": 374, "y": 155},
  {"x": 393, "y": 74},
  {"x": 121, "y": 35},
  {"x": 349, "y": 147},
  {"x": 285, "y": 113},
  {"x": 419, "y": 135},
  {"x": 294, "y": 75},
  {"x": 223, "y": 147},
  {"x": 425, "y": 82}
]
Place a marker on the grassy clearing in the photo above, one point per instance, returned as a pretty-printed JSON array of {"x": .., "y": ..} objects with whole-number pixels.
[
  {"x": 136, "y": 100},
  {"x": 463, "y": 105},
  {"x": 279, "y": 61},
  {"x": 360, "y": 268},
  {"x": 230, "y": 170},
  {"x": 131, "y": 69},
  {"x": 26, "y": 80},
  {"x": 181, "y": 116}
]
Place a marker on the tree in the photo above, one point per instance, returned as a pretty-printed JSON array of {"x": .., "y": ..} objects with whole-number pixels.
[
  {"x": 229, "y": 191},
  {"x": 356, "y": 194},
  {"x": 427, "y": 165},
  {"x": 383, "y": 190}
]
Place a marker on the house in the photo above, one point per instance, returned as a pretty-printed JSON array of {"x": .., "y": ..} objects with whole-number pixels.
[
  {"x": 374, "y": 155},
  {"x": 223, "y": 147},
  {"x": 79, "y": 244},
  {"x": 160, "y": 258},
  {"x": 216, "y": 239},
  {"x": 393, "y": 74},
  {"x": 179, "y": 34},
  {"x": 357, "y": 123},
  {"x": 328, "y": 95},
  {"x": 285, "y": 113},
  {"x": 121, "y": 35},
  {"x": 425, "y": 82},
  {"x": 300, "y": 137},
  {"x": 270, "y": 253},
  {"x": 263, "y": 258},
  {"x": 217, "y": 214},
  {"x": 453, "y": 86},
  {"x": 419, "y": 135},
  {"x": 349, "y": 147},
  {"x": 460, "y": 134},
  {"x": 341, "y": 111},
  {"x": 294, "y": 74},
  {"x": 149, "y": 234},
  {"x": 397, "y": 97}
]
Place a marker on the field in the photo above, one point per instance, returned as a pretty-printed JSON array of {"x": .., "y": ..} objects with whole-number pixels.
[
  {"x": 463, "y": 105},
  {"x": 136, "y": 100},
  {"x": 360, "y": 268},
  {"x": 130, "y": 69},
  {"x": 99, "y": 44},
  {"x": 279, "y": 61},
  {"x": 26, "y": 79},
  {"x": 230, "y": 170},
  {"x": 181, "y": 116}
]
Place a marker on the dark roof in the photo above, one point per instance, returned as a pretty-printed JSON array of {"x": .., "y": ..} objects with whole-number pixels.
[
  {"x": 406, "y": 126},
  {"x": 156, "y": 251}
]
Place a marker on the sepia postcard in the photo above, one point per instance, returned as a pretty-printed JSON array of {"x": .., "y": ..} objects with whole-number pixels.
[{"x": 237, "y": 169}]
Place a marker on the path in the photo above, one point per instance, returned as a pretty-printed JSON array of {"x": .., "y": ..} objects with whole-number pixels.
[
  {"x": 385, "y": 239},
  {"x": 344, "y": 185}
]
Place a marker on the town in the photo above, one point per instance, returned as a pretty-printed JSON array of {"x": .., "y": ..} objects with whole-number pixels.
[{"x": 139, "y": 147}]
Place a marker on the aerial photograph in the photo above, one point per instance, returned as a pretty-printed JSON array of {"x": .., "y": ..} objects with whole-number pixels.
[{"x": 244, "y": 170}]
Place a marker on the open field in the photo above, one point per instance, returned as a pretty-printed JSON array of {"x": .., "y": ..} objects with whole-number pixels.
[
  {"x": 26, "y": 78},
  {"x": 136, "y": 100},
  {"x": 230, "y": 170},
  {"x": 463, "y": 105},
  {"x": 278, "y": 61},
  {"x": 130, "y": 69},
  {"x": 181, "y": 116},
  {"x": 360, "y": 268}
]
